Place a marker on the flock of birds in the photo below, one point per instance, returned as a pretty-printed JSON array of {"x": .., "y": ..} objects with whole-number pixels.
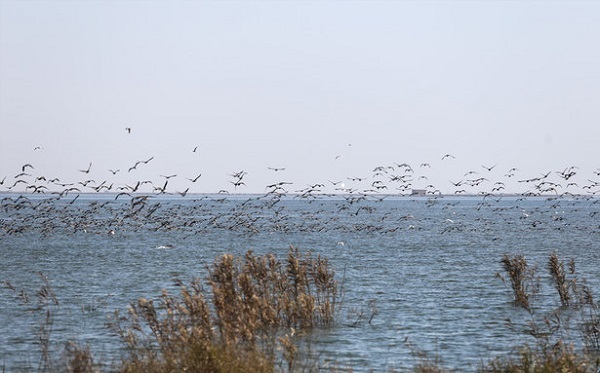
[
  {"x": 394, "y": 179},
  {"x": 30, "y": 201}
]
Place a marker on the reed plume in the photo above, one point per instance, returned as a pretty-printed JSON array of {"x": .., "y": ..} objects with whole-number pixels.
[
  {"x": 255, "y": 306},
  {"x": 522, "y": 279}
]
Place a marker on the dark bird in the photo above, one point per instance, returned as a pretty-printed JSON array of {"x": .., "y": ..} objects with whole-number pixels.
[
  {"x": 168, "y": 176},
  {"x": 114, "y": 172},
  {"x": 279, "y": 184},
  {"x": 25, "y": 166},
  {"x": 88, "y": 169},
  {"x": 239, "y": 175},
  {"x": 195, "y": 149},
  {"x": 122, "y": 194},
  {"x": 488, "y": 168},
  {"x": 276, "y": 169},
  {"x": 195, "y": 179},
  {"x": 128, "y": 129},
  {"x": 448, "y": 156},
  {"x": 237, "y": 183}
]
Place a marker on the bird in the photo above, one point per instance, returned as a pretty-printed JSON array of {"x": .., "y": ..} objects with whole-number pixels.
[
  {"x": 276, "y": 169},
  {"x": 237, "y": 183},
  {"x": 25, "y": 166},
  {"x": 88, "y": 169},
  {"x": 134, "y": 167},
  {"x": 195, "y": 149},
  {"x": 488, "y": 168},
  {"x": 195, "y": 179},
  {"x": 114, "y": 172},
  {"x": 128, "y": 129},
  {"x": 448, "y": 156}
]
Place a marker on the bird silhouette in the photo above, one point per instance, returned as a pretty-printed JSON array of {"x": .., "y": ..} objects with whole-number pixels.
[
  {"x": 195, "y": 179},
  {"x": 448, "y": 156},
  {"x": 88, "y": 169}
]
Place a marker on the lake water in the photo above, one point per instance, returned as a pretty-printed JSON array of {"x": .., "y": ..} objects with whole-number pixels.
[{"x": 428, "y": 264}]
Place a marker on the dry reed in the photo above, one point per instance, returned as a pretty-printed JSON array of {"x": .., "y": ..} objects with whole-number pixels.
[
  {"x": 246, "y": 323},
  {"x": 522, "y": 279}
]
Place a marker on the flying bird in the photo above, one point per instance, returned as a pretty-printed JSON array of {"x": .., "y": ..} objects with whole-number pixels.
[
  {"x": 88, "y": 169},
  {"x": 448, "y": 156},
  {"x": 195, "y": 179},
  {"x": 128, "y": 129}
]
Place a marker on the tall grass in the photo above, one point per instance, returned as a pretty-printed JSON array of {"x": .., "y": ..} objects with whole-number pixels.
[
  {"x": 249, "y": 312},
  {"x": 246, "y": 323},
  {"x": 556, "y": 347},
  {"x": 42, "y": 306},
  {"x": 522, "y": 278}
]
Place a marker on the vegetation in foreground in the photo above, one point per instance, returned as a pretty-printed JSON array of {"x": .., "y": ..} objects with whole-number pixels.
[{"x": 250, "y": 312}]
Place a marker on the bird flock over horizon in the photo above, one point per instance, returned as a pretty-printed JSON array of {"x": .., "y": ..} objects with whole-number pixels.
[
  {"x": 393, "y": 179},
  {"x": 26, "y": 190}
]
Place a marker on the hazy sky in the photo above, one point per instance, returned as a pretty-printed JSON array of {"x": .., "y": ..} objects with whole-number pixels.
[{"x": 325, "y": 89}]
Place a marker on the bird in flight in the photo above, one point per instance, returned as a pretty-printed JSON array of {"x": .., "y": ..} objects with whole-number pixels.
[
  {"x": 488, "y": 168},
  {"x": 195, "y": 179},
  {"x": 448, "y": 156},
  {"x": 276, "y": 169},
  {"x": 88, "y": 169},
  {"x": 128, "y": 129}
]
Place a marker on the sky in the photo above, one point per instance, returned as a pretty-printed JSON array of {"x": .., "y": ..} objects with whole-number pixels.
[{"x": 322, "y": 91}]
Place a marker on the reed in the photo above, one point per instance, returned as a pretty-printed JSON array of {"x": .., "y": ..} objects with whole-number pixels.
[
  {"x": 42, "y": 306},
  {"x": 556, "y": 268},
  {"x": 542, "y": 359},
  {"x": 247, "y": 322},
  {"x": 522, "y": 279},
  {"x": 555, "y": 348}
]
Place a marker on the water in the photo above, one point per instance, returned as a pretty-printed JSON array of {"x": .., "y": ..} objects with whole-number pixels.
[{"x": 428, "y": 265}]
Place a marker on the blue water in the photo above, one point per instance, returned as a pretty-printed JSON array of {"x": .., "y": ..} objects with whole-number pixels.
[{"x": 428, "y": 265}]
